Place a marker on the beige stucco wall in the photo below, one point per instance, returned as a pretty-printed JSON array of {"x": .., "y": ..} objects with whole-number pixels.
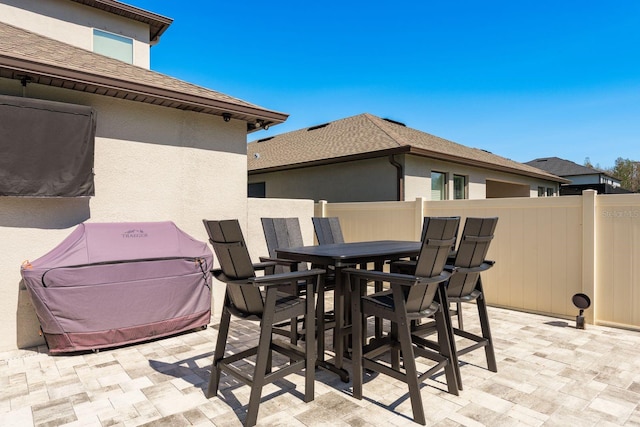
[
  {"x": 418, "y": 179},
  {"x": 151, "y": 163},
  {"x": 362, "y": 180},
  {"x": 375, "y": 180},
  {"x": 73, "y": 23}
]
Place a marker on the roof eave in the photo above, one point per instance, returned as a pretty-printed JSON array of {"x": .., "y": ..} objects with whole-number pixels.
[
  {"x": 140, "y": 92},
  {"x": 333, "y": 160},
  {"x": 406, "y": 149},
  {"x": 491, "y": 166},
  {"x": 158, "y": 24}
]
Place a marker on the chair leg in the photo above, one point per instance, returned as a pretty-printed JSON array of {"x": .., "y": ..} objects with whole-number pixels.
[
  {"x": 411, "y": 373},
  {"x": 445, "y": 340},
  {"x": 486, "y": 333},
  {"x": 221, "y": 342},
  {"x": 459, "y": 311},
  {"x": 356, "y": 356},
  {"x": 448, "y": 326},
  {"x": 395, "y": 352},
  {"x": 378, "y": 288},
  {"x": 262, "y": 358}
]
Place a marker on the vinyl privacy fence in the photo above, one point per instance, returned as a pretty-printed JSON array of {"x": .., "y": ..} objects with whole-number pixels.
[{"x": 546, "y": 249}]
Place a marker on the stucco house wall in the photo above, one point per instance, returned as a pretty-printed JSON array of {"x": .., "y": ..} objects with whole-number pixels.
[
  {"x": 375, "y": 180},
  {"x": 165, "y": 149},
  {"x": 151, "y": 164},
  {"x": 357, "y": 181},
  {"x": 73, "y": 23},
  {"x": 418, "y": 179}
]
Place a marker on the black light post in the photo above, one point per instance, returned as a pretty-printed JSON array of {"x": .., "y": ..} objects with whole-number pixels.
[{"x": 582, "y": 302}]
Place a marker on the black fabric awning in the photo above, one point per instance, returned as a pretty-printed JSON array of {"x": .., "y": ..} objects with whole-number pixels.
[{"x": 46, "y": 148}]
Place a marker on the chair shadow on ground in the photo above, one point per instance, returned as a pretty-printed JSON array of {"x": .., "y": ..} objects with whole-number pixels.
[
  {"x": 369, "y": 376},
  {"x": 189, "y": 371}
]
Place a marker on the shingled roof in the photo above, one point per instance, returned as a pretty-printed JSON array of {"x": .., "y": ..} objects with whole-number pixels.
[
  {"x": 368, "y": 136},
  {"x": 562, "y": 167},
  {"x": 33, "y": 58}
]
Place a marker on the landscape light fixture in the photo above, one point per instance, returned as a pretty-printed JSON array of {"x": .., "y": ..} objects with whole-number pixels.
[
  {"x": 226, "y": 117},
  {"x": 582, "y": 302}
]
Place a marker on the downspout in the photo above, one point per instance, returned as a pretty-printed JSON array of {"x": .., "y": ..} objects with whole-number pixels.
[{"x": 400, "y": 177}]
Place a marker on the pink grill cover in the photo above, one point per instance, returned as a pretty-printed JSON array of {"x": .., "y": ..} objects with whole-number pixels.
[{"x": 110, "y": 284}]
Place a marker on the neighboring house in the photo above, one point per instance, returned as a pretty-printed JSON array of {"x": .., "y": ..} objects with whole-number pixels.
[
  {"x": 367, "y": 158},
  {"x": 163, "y": 149},
  {"x": 580, "y": 177}
]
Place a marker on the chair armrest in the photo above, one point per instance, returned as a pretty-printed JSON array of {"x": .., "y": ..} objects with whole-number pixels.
[
  {"x": 402, "y": 279},
  {"x": 280, "y": 261},
  {"x": 479, "y": 269},
  {"x": 264, "y": 265},
  {"x": 219, "y": 275},
  {"x": 280, "y": 278}
]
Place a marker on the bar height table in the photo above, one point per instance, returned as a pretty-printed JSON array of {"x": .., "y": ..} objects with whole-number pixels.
[{"x": 340, "y": 256}]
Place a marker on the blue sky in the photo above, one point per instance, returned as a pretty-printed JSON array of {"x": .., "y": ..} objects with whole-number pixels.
[{"x": 522, "y": 79}]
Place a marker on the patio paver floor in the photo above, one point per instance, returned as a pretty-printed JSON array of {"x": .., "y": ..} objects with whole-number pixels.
[{"x": 549, "y": 374}]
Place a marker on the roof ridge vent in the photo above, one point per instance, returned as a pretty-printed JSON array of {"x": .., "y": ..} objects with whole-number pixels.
[
  {"x": 395, "y": 122},
  {"x": 265, "y": 139},
  {"x": 317, "y": 126}
]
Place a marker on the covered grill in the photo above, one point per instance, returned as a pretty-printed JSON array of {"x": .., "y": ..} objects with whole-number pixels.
[{"x": 110, "y": 284}]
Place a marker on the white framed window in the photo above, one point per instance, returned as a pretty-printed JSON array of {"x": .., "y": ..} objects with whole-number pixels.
[
  {"x": 460, "y": 187},
  {"x": 540, "y": 191},
  {"x": 113, "y": 45},
  {"x": 549, "y": 192},
  {"x": 438, "y": 186}
]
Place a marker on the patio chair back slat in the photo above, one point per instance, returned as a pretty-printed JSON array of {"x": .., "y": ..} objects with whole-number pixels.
[
  {"x": 472, "y": 252},
  {"x": 436, "y": 246},
  {"x": 231, "y": 251},
  {"x": 328, "y": 230},
  {"x": 283, "y": 233}
]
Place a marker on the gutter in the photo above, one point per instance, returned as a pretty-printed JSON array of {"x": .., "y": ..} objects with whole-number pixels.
[
  {"x": 134, "y": 91},
  {"x": 400, "y": 177}
]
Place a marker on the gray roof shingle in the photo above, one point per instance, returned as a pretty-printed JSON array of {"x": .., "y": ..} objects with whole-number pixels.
[{"x": 562, "y": 167}]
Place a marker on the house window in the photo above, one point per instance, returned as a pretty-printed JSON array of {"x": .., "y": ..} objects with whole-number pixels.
[
  {"x": 540, "y": 191},
  {"x": 113, "y": 45},
  {"x": 257, "y": 189},
  {"x": 459, "y": 187},
  {"x": 438, "y": 186},
  {"x": 549, "y": 192}
]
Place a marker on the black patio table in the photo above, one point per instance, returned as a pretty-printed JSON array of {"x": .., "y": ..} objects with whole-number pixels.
[{"x": 339, "y": 256}]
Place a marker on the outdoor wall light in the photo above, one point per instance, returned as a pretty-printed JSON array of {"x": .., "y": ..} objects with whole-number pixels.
[
  {"x": 582, "y": 302},
  {"x": 226, "y": 117},
  {"x": 261, "y": 124}
]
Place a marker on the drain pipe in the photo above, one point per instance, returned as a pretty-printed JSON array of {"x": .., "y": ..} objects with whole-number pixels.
[{"x": 400, "y": 177}]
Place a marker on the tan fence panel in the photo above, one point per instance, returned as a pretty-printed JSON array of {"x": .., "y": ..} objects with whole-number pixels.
[
  {"x": 537, "y": 249},
  {"x": 376, "y": 220},
  {"x": 618, "y": 259}
]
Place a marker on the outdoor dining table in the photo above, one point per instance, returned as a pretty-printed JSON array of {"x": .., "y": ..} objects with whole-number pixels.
[{"x": 340, "y": 256}]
